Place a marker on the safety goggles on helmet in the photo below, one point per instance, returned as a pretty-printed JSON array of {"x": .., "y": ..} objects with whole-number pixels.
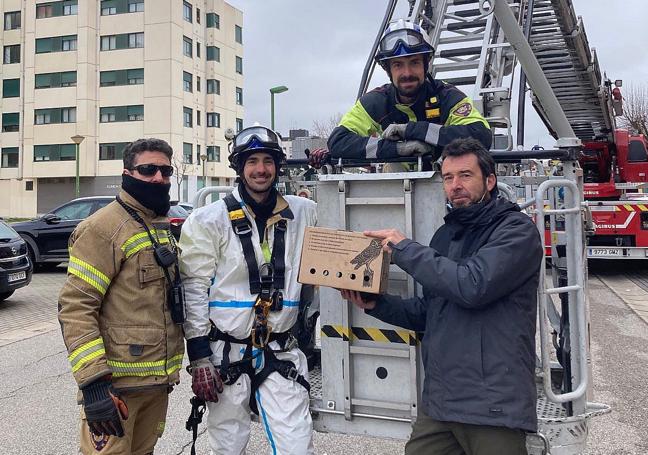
[
  {"x": 402, "y": 42},
  {"x": 255, "y": 137}
]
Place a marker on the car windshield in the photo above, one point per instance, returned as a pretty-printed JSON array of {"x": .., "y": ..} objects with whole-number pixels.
[
  {"x": 177, "y": 212},
  {"x": 7, "y": 232}
]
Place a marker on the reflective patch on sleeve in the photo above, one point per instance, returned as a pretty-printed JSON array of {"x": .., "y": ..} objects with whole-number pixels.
[
  {"x": 88, "y": 273},
  {"x": 463, "y": 110},
  {"x": 141, "y": 240},
  {"x": 85, "y": 353},
  {"x": 372, "y": 148}
]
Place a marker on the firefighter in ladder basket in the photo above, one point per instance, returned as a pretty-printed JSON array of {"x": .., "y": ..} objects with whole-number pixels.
[{"x": 239, "y": 262}]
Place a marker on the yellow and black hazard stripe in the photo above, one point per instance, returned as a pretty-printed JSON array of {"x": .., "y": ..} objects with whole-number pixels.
[{"x": 371, "y": 334}]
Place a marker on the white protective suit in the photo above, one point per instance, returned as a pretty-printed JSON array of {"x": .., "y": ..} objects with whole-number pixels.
[{"x": 215, "y": 278}]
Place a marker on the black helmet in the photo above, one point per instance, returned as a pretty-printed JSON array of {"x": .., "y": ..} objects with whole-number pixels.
[
  {"x": 251, "y": 140},
  {"x": 403, "y": 38}
]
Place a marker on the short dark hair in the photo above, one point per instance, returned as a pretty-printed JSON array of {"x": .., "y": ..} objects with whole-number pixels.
[
  {"x": 460, "y": 147},
  {"x": 143, "y": 145}
]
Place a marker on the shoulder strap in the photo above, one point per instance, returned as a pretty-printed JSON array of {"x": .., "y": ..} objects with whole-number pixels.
[
  {"x": 279, "y": 254},
  {"x": 243, "y": 229}
]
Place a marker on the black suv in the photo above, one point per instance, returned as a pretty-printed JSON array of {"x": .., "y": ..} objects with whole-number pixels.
[
  {"x": 15, "y": 267},
  {"x": 47, "y": 237}
]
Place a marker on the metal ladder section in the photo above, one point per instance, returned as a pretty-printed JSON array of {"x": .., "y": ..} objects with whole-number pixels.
[{"x": 559, "y": 42}]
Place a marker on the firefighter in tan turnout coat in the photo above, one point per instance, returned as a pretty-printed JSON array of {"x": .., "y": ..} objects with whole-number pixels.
[{"x": 124, "y": 348}]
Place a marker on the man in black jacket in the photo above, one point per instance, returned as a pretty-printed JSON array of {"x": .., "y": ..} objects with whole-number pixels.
[{"x": 479, "y": 277}]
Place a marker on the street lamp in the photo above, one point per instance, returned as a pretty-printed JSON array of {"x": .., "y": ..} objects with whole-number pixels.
[
  {"x": 273, "y": 91},
  {"x": 77, "y": 139},
  {"x": 203, "y": 157}
]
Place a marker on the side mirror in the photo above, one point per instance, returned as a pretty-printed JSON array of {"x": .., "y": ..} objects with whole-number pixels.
[{"x": 50, "y": 218}]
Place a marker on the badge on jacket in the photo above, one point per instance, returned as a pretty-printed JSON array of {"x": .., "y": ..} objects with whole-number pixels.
[{"x": 463, "y": 110}]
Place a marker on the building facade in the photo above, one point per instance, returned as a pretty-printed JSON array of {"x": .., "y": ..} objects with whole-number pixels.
[{"x": 112, "y": 71}]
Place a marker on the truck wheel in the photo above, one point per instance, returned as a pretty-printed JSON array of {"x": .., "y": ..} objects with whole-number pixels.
[{"x": 5, "y": 295}]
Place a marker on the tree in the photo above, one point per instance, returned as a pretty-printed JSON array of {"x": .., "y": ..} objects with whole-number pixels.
[
  {"x": 323, "y": 128},
  {"x": 180, "y": 171},
  {"x": 635, "y": 109}
]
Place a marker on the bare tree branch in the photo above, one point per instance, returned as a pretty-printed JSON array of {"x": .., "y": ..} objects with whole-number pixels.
[
  {"x": 635, "y": 109},
  {"x": 180, "y": 172},
  {"x": 323, "y": 128}
]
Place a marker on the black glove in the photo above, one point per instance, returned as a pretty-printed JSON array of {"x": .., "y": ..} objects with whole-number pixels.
[
  {"x": 103, "y": 409},
  {"x": 318, "y": 158}
]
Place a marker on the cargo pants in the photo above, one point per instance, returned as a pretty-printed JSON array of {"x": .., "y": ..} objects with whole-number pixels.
[
  {"x": 145, "y": 425},
  {"x": 433, "y": 437}
]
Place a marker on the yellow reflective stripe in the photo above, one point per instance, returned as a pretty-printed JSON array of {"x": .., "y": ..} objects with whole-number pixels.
[
  {"x": 156, "y": 368},
  {"x": 85, "y": 353},
  {"x": 407, "y": 111},
  {"x": 89, "y": 274},
  {"x": 358, "y": 121},
  {"x": 473, "y": 117},
  {"x": 642, "y": 207},
  {"x": 628, "y": 208},
  {"x": 142, "y": 240},
  {"x": 236, "y": 214},
  {"x": 265, "y": 248}
]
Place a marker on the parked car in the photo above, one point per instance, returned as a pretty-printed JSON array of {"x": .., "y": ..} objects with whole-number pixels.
[
  {"x": 188, "y": 206},
  {"x": 15, "y": 266},
  {"x": 47, "y": 236}
]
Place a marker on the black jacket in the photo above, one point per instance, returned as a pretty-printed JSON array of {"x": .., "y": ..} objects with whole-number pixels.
[
  {"x": 438, "y": 103},
  {"x": 479, "y": 276}
]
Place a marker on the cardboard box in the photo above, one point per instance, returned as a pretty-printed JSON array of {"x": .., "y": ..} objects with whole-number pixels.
[{"x": 343, "y": 260}]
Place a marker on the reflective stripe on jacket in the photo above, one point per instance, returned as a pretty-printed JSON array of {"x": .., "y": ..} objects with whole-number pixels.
[
  {"x": 439, "y": 103},
  {"x": 112, "y": 307},
  {"x": 215, "y": 274}
]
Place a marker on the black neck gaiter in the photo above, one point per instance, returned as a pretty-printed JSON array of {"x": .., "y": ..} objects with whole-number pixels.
[
  {"x": 153, "y": 196},
  {"x": 262, "y": 210}
]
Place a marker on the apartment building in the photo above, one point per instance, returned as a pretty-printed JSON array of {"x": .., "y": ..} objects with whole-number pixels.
[{"x": 108, "y": 72}]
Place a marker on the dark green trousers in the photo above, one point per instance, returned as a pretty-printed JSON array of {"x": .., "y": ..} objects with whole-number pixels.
[{"x": 432, "y": 437}]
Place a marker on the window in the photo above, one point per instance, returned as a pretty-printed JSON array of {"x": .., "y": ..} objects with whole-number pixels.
[
  {"x": 213, "y": 53},
  {"x": 213, "y": 119},
  {"x": 198, "y": 49},
  {"x": 135, "y": 113},
  {"x": 135, "y": 76},
  {"x": 198, "y": 117},
  {"x": 198, "y": 15},
  {"x": 239, "y": 96},
  {"x": 238, "y": 34},
  {"x": 107, "y": 10},
  {"x": 12, "y": 20},
  {"x": 11, "y": 88},
  {"x": 56, "y": 44},
  {"x": 213, "y": 153},
  {"x": 11, "y": 54},
  {"x": 187, "y": 82},
  {"x": 197, "y": 83},
  {"x": 187, "y": 46},
  {"x": 70, "y": 8},
  {"x": 59, "y": 152},
  {"x": 69, "y": 43},
  {"x": 213, "y": 20},
  {"x": 10, "y": 157},
  {"x": 187, "y": 11},
  {"x": 107, "y": 115},
  {"x": 44, "y": 10},
  {"x": 135, "y": 40},
  {"x": 55, "y": 115},
  {"x": 187, "y": 117},
  {"x": 187, "y": 152},
  {"x": 112, "y": 151},
  {"x": 213, "y": 86},
  {"x": 135, "y": 6},
  {"x": 10, "y": 122},
  {"x": 239, "y": 65},
  {"x": 239, "y": 125},
  {"x": 108, "y": 43},
  {"x": 132, "y": 76}
]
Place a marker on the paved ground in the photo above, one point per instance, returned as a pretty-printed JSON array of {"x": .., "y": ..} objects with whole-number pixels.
[{"x": 38, "y": 412}]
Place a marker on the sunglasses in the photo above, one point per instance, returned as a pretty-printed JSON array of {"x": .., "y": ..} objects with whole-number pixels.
[{"x": 149, "y": 170}]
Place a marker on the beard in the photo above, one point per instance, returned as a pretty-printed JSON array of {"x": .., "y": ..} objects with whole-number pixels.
[
  {"x": 409, "y": 92},
  {"x": 462, "y": 198}
]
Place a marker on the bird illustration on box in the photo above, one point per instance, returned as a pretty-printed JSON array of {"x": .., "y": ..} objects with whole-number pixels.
[{"x": 365, "y": 258}]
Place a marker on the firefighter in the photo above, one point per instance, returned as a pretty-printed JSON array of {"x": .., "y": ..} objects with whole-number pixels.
[
  {"x": 239, "y": 262},
  {"x": 414, "y": 115},
  {"x": 116, "y": 314}
]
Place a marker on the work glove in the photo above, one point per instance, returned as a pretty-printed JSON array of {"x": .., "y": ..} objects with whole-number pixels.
[
  {"x": 413, "y": 148},
  {"x": 206, "y": 383},
  {"x": 318, "y": 157},
  {"x": 103, "y": 409},
  {"x": 395, "y": 132}
]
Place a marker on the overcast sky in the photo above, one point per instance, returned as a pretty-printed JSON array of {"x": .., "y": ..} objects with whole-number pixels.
[{"x": 318, "y": 49}]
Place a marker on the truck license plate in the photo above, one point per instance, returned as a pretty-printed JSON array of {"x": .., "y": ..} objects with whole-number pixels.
[
  {"x": 594, "y": 252},
  {"x": 17, "y": 276}
]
